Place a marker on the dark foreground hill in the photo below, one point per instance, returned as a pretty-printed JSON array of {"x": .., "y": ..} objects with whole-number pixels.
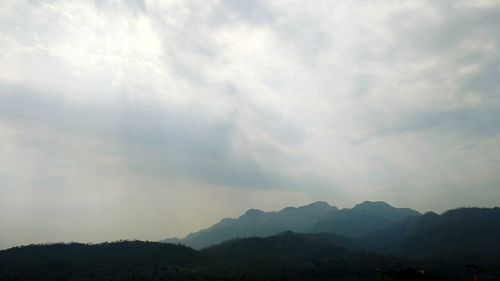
[
  {"x": 292, "y": 256},
  {"x": 287, "y": 256},
  {"x": 127, "y": 260}
]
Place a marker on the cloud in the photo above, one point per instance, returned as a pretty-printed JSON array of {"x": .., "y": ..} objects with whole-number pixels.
[
  {"x": 188, "y": 101},
  {"x": 154, "y": 139}
]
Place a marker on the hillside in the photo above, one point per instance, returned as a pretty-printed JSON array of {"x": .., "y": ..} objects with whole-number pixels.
[
  {"x": 466, "y": 235},
  {"x": 127, "y": 260}
]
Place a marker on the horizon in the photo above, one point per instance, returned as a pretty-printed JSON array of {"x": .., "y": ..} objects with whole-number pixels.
[{"x": 148, "y": 119}]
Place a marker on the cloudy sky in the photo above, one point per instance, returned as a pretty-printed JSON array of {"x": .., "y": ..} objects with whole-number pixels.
[{"x": 151, "y": 119}]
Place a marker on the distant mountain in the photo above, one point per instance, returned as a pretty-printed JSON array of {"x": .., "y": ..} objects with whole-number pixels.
[
  {"x": 256, "y": 223},
  {"x": 362, "y": 219},
  {"x": 317, "y": 217},
  {"x": 466, "y": 235}
]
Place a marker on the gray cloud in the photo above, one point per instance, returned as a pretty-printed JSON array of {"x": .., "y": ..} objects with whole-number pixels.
[
  {"x": 252, "y": 12},
  {"x": 156, "y": 139}
]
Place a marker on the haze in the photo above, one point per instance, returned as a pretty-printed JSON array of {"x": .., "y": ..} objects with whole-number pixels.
[{"x": 149, "y": 119}]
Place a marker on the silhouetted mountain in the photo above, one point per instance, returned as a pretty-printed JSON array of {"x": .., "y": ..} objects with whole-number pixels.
[
  {"x": 362, "y": 219},
  {"x": 259, "y": 224},
  {"x": 466, "y": 235},
  {"x": 314, "y": 218}
]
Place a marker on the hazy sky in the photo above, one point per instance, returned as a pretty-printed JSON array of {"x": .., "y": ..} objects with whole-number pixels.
[{"x": 151, "y": 119}]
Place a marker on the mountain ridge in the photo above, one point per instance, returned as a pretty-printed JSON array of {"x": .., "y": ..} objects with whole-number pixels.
[
  {"x": 315, "y": 217},
  {"x": 459, "y": 235}
]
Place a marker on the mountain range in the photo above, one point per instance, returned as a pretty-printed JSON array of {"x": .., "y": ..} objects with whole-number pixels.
[
  {"x": 317, "y": 217},
  {"x": 464, "y": 235},
  {"x": 370, "y": 241}
]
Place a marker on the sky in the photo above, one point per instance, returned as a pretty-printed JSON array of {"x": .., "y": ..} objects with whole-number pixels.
[{"x": 151, "y": 119}]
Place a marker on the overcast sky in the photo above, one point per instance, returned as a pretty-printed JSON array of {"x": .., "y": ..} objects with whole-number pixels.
[{"x": 151, "y": 119}]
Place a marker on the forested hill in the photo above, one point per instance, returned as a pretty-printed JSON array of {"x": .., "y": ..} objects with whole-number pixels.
[
  {"x": 287, "y": 256},
  {"x": 126, "y": 260}
]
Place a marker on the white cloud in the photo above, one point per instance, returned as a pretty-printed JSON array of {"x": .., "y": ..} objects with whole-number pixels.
[{"x": 340, "y": 101}]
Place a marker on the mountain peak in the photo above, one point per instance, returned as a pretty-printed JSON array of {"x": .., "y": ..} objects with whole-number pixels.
[
  {"x": 252, "y": 214},
  {"x": 318, "y": 204},
  {"x": 372, "y": 204}
]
